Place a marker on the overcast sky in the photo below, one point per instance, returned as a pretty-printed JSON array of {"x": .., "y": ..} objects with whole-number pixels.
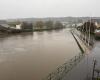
[{"x": 48, "y": 8}]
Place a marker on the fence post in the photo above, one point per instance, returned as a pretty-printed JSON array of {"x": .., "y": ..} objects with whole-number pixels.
[
  {"x": 58, "y": 70},
  {"x": 94, "y": 63},
  {"x": 50, "y": 77}
]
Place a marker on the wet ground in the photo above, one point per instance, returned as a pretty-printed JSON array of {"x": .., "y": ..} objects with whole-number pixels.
[{"x": 84, "y": 70}]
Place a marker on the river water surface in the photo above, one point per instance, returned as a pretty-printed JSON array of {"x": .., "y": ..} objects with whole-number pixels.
[{"x": 31, "y": 56}]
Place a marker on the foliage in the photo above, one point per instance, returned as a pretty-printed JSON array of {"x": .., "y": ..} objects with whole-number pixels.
[
  {"x": 26, "y": 25},
  {"x": 14, "y": 23},
  {"x": 58, "y": 25},
  {"x": 49, "y": 24},
  {"x": 39, "y": 24},
  {"x": 88, "y": 25}
]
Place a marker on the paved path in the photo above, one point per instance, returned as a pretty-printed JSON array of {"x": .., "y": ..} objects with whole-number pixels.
[{"x": 83, "y": 71}]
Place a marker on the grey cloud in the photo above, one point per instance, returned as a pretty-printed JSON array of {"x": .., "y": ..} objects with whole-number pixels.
[{"x": 48, "y": 8}]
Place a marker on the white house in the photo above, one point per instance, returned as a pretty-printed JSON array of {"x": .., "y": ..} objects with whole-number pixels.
[{"x": 18, "y": 26}]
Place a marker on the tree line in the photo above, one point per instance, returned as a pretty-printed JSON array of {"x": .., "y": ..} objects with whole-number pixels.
[
  {"x": 48, "y": 25},
  {"x": 39, "y": 25},
  {"x": 87, "y": 26}
]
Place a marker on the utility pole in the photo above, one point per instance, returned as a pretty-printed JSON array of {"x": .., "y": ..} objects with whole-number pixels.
[{"x": 89, "y": 32}]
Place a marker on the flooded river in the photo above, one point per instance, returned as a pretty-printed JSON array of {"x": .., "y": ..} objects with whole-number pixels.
[{"x": 31, "y": 56}]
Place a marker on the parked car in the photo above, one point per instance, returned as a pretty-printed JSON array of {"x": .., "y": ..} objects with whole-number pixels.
[{"x": 97, "y": 33}]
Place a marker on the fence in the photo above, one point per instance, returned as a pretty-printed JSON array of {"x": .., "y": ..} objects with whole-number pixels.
[
  {"x": 62, "y": 70},
  {"x": 84, "y": 36}
]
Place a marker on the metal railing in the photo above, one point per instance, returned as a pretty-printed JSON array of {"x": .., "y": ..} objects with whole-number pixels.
[
  {"x": 62, "y": 70},
  {"x": 85, "y": 38}
]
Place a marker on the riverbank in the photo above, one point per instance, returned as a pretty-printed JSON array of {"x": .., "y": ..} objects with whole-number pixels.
[
  {"x": 26, "y": 33},
  {"x": 45, "y": 29},
  {"x": 28, "y": 30}
]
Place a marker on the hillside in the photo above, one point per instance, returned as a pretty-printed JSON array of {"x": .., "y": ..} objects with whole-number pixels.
[{"x": 61, "y": 19}]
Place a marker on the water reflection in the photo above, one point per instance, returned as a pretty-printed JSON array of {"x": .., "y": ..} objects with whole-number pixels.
[{"x": 31, "y": 56}]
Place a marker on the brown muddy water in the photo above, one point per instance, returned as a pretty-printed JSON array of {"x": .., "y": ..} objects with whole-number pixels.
[{"x": 31, "y": 56}]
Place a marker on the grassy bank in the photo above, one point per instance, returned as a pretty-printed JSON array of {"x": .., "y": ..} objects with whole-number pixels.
[{"x": 27, "y": 31}]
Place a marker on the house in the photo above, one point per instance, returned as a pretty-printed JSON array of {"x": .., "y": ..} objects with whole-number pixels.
[
  {"x": 18, "y": 26},
  {"x": 97, "y": 22}
]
